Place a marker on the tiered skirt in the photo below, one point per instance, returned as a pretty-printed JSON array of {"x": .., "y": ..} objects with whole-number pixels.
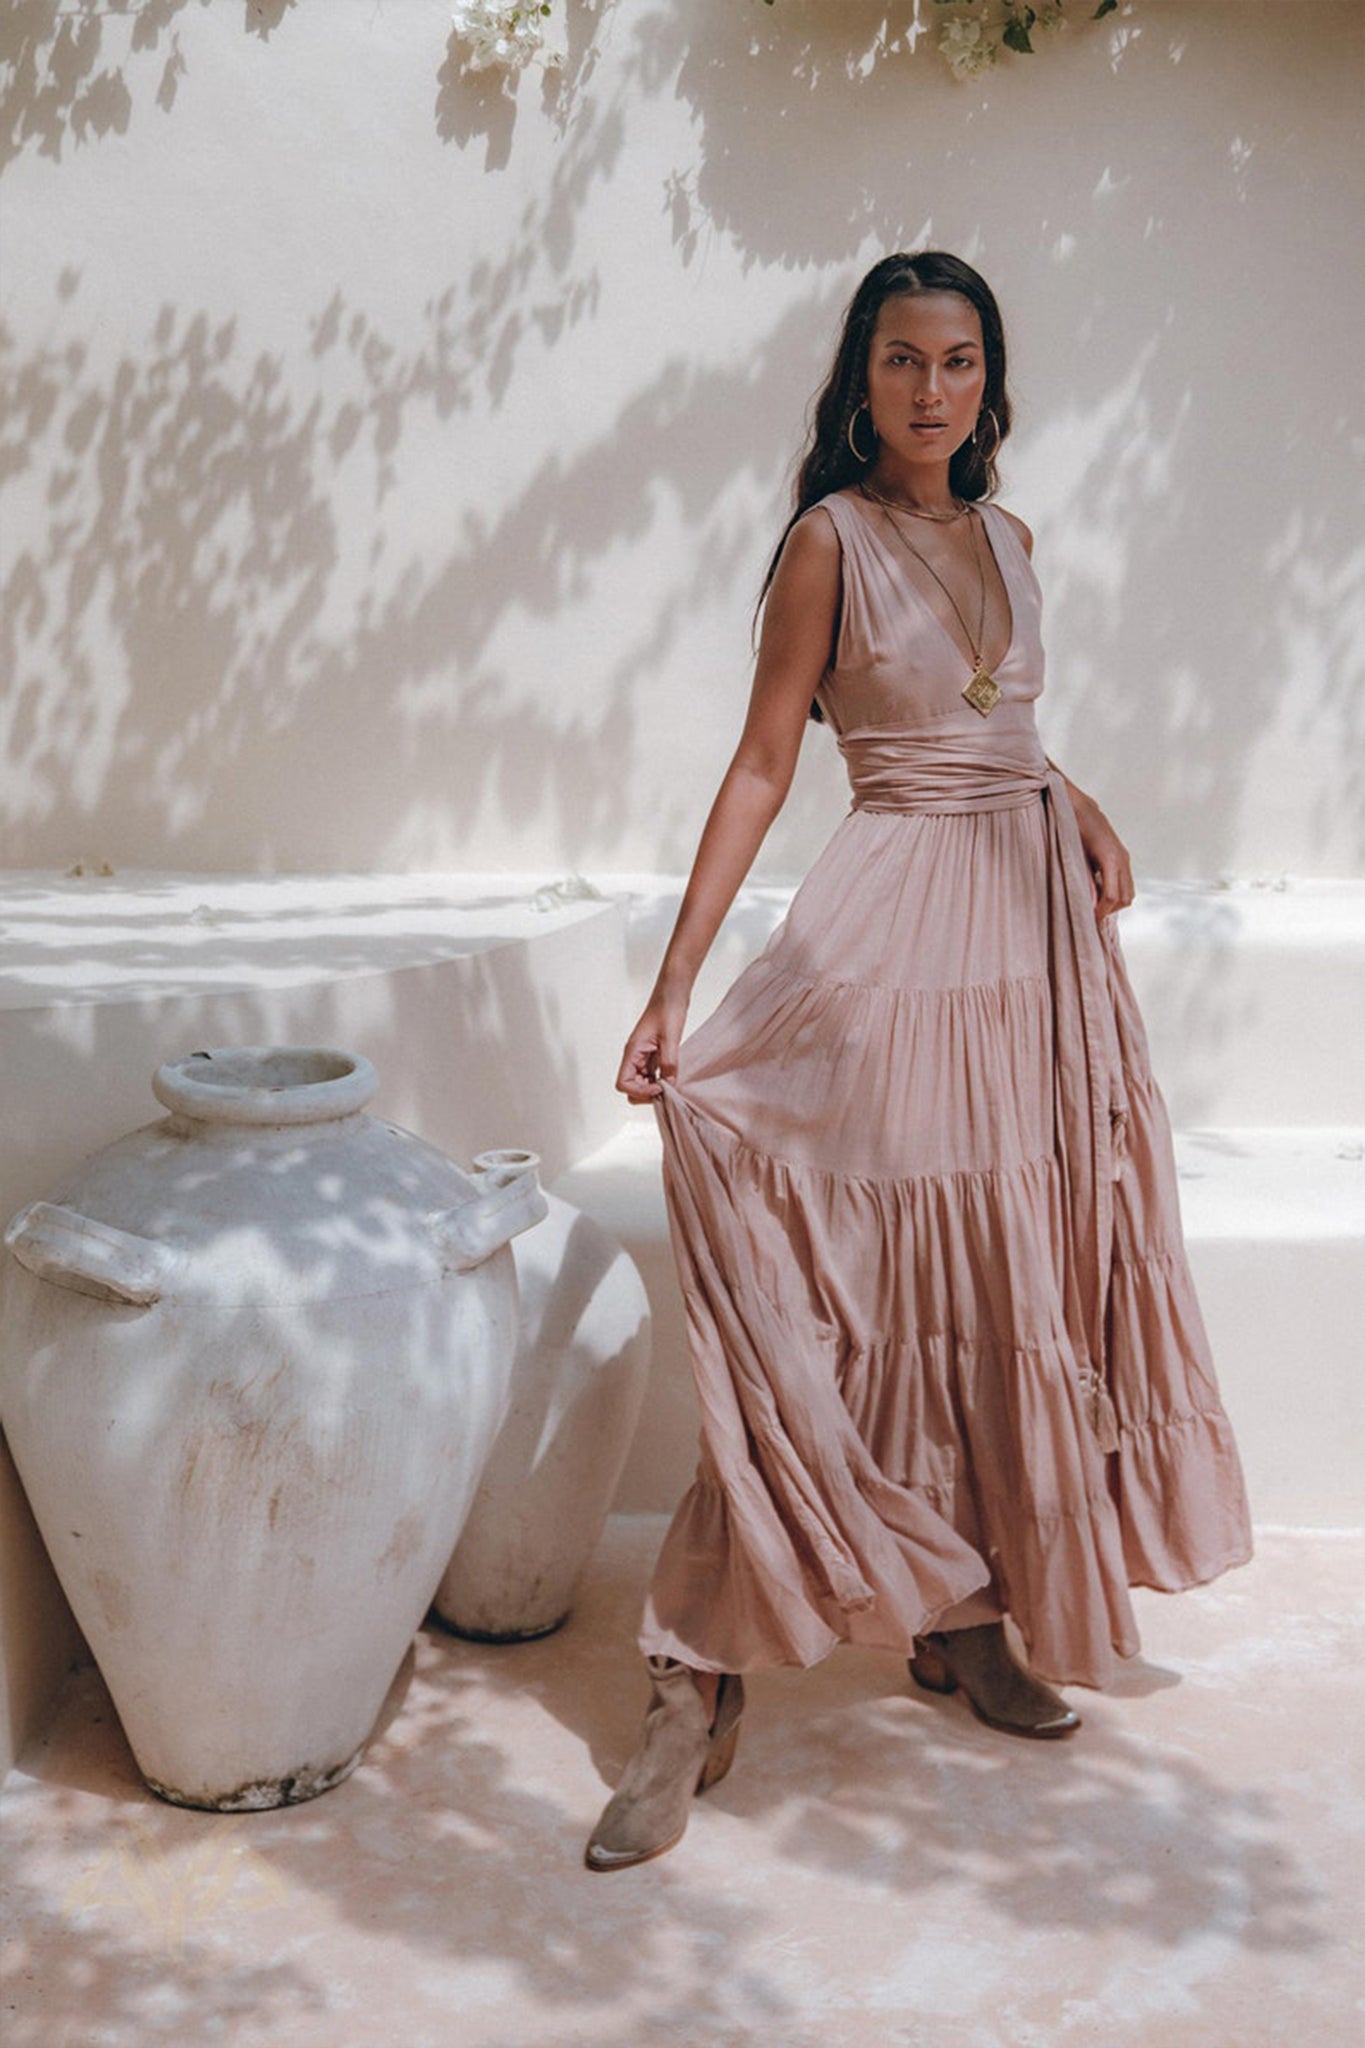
[{"x": 866, "y": 1179}]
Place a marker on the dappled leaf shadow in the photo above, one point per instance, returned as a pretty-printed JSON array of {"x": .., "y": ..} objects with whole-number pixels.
[
  {"x": 458, "y": 1843},
  {"x": 199, "y": 589},
  {"x": 202, "y": 533},
  {"x": 73, "y": 71}
]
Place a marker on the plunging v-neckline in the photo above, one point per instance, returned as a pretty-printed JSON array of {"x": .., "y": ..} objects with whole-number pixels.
[{"x": 970, "y": 666}]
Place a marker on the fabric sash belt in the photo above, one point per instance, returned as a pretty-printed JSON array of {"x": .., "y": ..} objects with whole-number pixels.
[{"x": 900, "y": 769}]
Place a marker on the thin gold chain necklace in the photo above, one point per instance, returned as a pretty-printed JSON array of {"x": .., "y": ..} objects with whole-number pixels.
[
  {"x": 939, "y": 518},
  {"x": 983, "y": 692}
]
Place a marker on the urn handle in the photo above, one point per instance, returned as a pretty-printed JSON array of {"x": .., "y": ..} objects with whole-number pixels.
[
  {"x": 75, "y": 1251},
  {"x": 504, "y": 1198}
]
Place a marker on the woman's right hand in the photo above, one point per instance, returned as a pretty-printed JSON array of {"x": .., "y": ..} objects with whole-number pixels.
[{"x": 652, "y": 1049}]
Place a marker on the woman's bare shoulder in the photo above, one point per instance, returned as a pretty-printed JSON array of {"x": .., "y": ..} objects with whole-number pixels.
[
  {"x": 1017, "y": 523},
  {"x": 819, "y": 523},
  {"x": 814, "y": 539}
]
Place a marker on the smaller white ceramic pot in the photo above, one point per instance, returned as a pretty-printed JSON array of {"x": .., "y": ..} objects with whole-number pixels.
[{"x": 578, "y": 1383}]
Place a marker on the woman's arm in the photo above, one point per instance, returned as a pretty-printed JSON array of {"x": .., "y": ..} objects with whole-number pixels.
[
  {"x": 1111, "y": 870},
  {"x": 794, "y": 651}
]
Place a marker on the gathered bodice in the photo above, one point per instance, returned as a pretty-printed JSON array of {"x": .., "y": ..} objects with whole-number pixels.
[{"x": 896, "y": 666}]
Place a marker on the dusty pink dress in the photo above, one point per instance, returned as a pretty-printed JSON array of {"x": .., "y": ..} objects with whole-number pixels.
[{"x": 923, "y": 1205}]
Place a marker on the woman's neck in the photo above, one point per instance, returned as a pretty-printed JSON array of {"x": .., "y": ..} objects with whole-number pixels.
[
  {"x": 925, "y": 488},
  {"x": 921, "y": 490}
]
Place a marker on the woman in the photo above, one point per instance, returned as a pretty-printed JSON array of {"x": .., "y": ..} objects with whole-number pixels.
[{"x": 920, "y": 1182}]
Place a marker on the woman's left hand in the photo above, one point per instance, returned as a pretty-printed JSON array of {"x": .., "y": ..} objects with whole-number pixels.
[{"x": 1111, "y": 871}]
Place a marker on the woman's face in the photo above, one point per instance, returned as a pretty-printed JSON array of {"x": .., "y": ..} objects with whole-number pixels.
[{"x": 926, "y": 375}]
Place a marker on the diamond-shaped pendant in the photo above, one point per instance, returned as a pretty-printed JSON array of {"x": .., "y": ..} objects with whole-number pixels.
[{"x": 983, "y": 693}]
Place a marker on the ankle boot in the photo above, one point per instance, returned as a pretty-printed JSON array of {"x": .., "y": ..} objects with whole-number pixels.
[
  {"x": 680, "y": 1754},
  {"x": 999, "y": 1691}
]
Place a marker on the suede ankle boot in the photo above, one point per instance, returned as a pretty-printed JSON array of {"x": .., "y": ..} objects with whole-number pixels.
[
  {"x": 999, "y": 1691},
  {"x": 680, "y": 1754}
]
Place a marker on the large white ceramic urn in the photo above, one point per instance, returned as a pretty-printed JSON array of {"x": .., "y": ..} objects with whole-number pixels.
[{"x": 252, "y": 1360}]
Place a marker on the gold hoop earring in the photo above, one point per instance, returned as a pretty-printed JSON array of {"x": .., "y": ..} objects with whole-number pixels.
[
  {"x": 856, "y": 451},
  {"x": 987, "y": 454}
]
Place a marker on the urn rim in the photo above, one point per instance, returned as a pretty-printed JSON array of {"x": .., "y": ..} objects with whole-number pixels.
[{"x": 266, "y": 1084}]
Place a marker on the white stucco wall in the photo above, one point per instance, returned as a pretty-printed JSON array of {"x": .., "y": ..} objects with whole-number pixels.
[{"x": 390, "y": 463}]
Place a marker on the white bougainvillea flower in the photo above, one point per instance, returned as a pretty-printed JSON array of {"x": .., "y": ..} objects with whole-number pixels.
[
  {"x": 967, "y": 48},
  {"x": 498, "y": 35}
]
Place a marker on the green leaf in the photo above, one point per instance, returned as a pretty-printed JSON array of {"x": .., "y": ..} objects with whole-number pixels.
[
  {"x": 1015, "y": 36},
  {"x": 1105, "y": 7}
]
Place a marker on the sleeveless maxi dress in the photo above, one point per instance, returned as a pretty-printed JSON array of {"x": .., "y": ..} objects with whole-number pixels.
[{"x": 923, "y": 1206}]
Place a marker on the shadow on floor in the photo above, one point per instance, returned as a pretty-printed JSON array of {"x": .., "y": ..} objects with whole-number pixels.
[{"x": 456, "y": 1847}]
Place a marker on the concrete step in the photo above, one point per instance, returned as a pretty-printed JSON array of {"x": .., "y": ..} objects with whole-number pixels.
[
  {"x": 490, "y": 1006},
  {"x": 1253, "y": 995},
  {"x": 1275, "y": 1225}
]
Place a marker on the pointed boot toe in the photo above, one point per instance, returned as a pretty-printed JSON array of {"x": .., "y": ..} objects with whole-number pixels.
[
  {"x": 1000, "y": 1692},
  {"x": 680, "y": 1754}
]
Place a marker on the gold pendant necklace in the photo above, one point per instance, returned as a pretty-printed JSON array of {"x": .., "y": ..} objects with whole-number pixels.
[{"x": 982, "y": 692}]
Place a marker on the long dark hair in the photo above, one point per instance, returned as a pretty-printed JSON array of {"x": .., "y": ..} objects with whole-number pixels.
[{"x": 829, "y": 462}]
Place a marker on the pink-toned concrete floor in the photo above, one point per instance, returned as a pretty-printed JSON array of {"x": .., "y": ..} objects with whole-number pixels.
[{"x": 878, "y": 1871}]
